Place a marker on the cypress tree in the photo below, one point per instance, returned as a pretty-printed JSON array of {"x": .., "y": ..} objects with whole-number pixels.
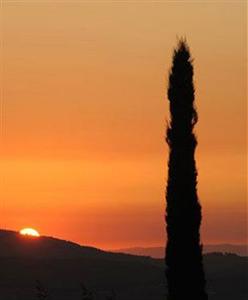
[{"x": 184, "y": 267}]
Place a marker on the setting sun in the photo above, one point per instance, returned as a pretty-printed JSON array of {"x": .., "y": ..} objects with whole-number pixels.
[{"x": 29, "y": 231}]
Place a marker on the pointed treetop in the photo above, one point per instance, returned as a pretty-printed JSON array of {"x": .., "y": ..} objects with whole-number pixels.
[{"x": 182, "y": 50}]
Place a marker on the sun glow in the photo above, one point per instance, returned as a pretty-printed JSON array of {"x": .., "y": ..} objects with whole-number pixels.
[{"x": 29, "y": 231}]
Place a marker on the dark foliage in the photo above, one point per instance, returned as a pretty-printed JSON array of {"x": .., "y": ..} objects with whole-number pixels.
[
  {"x": 86, "y": 293},
  {"x": 41, "y": 291},
  {"x": 111, "y": 296},
  {"x": 184, "y": 272}
]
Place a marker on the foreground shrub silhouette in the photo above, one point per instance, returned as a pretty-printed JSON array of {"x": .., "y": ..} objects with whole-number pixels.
[
  {"x": 86, "y": 294},
  {"x": 41, "y": 291},
  {"x": 184, "y": 268},
  {"x": 111, "y": 296}
]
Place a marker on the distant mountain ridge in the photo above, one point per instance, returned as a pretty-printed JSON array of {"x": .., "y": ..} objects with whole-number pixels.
[{"x": 158, "y": 252}]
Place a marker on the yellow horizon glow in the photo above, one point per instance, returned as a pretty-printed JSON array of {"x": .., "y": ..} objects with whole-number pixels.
[{"x": 30, "y": 232}]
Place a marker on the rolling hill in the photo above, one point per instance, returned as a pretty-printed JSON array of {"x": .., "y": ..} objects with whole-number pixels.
[{"x": 61, "y": 266}]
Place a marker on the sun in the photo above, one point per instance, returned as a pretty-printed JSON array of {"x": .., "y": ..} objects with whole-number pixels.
[{"x": 30, "y": 232}]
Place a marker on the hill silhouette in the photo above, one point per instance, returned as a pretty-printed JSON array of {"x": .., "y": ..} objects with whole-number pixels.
[
  {"x": 158, "y": 252},
  {"x": 14, "y": 244},
  {"x": 62, "y": 266}
]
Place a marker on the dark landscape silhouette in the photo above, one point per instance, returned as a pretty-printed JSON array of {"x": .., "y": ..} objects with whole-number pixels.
[{"x": 61, "y": 267}]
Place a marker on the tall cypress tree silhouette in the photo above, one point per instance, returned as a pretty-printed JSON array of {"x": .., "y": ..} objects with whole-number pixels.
[{"x": 184, "y": 268}]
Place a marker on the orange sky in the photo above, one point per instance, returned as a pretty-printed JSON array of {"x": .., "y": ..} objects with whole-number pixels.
[{"x": 84, "y": 112}]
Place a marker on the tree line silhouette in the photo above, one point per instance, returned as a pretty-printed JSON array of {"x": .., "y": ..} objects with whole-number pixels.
[{"x": 42, "y": 292}]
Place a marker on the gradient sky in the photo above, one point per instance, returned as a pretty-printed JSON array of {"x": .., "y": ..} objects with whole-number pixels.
[{"x": 84, "y": 110}]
